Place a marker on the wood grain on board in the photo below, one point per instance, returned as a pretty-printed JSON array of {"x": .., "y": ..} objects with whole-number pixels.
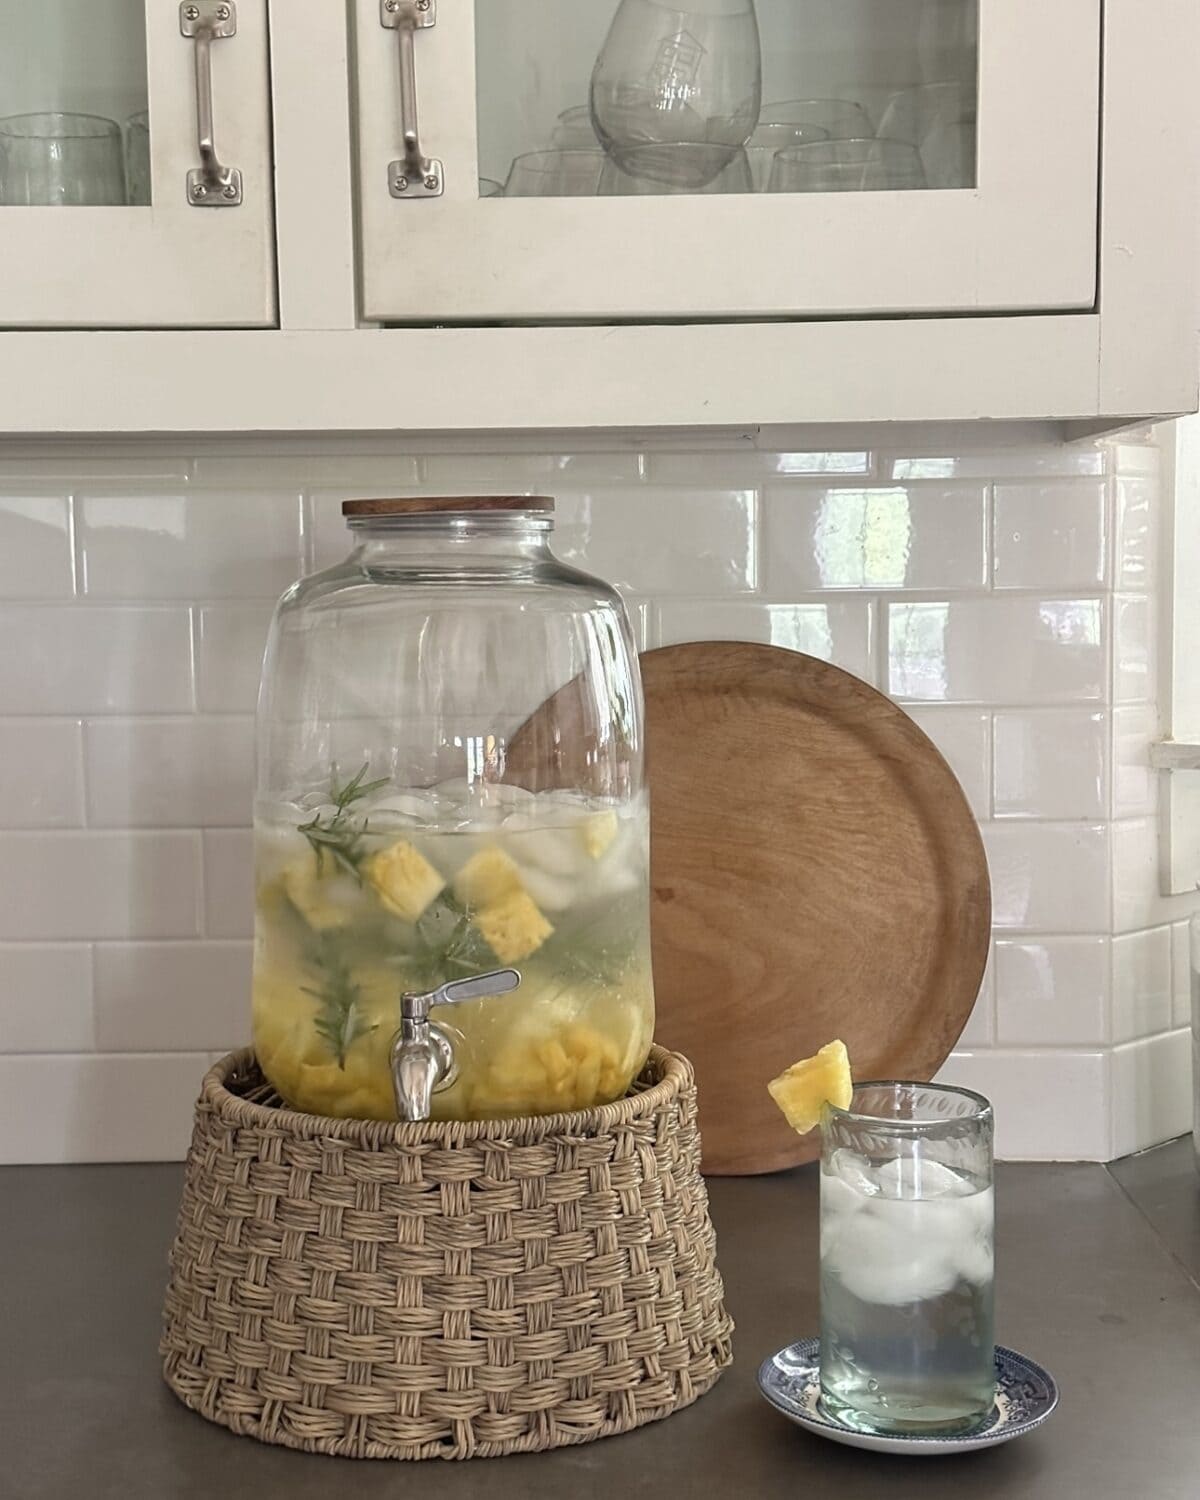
[{"x": 816, "y": 873}]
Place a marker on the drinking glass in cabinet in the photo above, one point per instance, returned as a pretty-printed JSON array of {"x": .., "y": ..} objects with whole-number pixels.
[
  {"x": 555, "y": 174},
  {"x": 667, "y": 76},
  {"x": 59, "y": 159},
  {"x": 839, "y": 119},
  {"x": 70, "y": 72},
  {"x": 939, "y": 119},
  {"x": 641, "y": 171},
  {"x": 574, "y": 129},
  {"x": 847, "y": 167}
]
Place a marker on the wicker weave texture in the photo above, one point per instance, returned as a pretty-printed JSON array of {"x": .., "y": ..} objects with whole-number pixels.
[{"x": 443, "y": 1290}]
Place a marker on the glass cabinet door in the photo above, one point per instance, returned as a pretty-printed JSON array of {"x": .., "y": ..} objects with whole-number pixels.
[
  {"x": 134, "y": 158},
  {"x": 726, "y": 158}
]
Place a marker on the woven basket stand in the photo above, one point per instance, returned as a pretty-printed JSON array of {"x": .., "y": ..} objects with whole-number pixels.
[{"x": 452, "y": 1290}]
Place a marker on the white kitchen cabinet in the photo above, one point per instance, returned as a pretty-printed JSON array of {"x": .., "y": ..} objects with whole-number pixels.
[
  {"x": 108, "y": 217},
  {"x": 1044, "y": 270},
  {"x": 1012, "y": 228}
]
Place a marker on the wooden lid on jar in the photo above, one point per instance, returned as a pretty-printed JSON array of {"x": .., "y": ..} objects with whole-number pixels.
[{"x": 449, "y": 504}]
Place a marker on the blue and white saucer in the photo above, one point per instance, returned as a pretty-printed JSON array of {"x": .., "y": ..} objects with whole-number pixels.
[{"x": 1025, "y": 1396}]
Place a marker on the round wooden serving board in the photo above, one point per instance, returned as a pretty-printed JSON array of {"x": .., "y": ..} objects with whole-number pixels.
[{"x": 816, "y": 873}]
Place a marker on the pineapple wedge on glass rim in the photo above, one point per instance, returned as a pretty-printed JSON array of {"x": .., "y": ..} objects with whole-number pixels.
[{"x": 807, "y": 1086}]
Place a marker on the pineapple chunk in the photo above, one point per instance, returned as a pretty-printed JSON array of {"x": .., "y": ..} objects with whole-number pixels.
[
  {"x": 321, "y": 898},
  {"x": 807, "y": 1086},
  {"x": 487, "y": 878},
  {"x": 598, "y": 833},
  {"x": 403, "y": 879},
  {"x": 513, "y": 927}
]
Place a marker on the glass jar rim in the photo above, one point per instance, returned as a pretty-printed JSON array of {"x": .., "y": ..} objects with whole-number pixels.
[
  {"x": 449, "y": 507},
  {"x": 982, "y": 1114}
]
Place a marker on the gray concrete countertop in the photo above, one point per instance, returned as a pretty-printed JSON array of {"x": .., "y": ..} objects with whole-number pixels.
[{"x": 1093, "y": 1281}]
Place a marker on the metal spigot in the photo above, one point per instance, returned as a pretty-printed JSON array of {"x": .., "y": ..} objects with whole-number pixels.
[{"x": 423, "y": 1061}]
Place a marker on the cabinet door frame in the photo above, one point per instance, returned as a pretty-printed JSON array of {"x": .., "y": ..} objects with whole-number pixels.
[
  {"x": 172, "y": 264},
  {"x": 1023, "y": 240}
]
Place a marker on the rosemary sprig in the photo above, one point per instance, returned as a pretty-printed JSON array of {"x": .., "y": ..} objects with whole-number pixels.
[
  {"x": 339, "y": 1022},
  {"x": 340, "y": 835}
]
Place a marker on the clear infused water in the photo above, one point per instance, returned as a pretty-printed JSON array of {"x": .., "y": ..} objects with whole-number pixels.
[{"x": 906, "y": 1295}]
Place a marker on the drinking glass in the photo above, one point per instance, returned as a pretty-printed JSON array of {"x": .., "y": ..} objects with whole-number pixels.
[
  {"x": 673, "y": 76},
  {"x": 137, "y": 157},
  {"x": 554, "y": 174},
  {"x": 846, "y": 167},
  {"x": 574, "y": 129},
  {"x": 644, "y": 175},
  {"x": 907, "y": 1259},
  {"x": 840, "y": 119},
  {"x": 775, "y": 136},
  {"x": 940, "y": 120},
  {"x": 61, "y": 159}
]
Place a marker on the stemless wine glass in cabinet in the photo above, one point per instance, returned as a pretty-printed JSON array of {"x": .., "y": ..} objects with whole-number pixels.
[
  {"x": 58, "y": 159},
  {"x": 669, "y": 76}
]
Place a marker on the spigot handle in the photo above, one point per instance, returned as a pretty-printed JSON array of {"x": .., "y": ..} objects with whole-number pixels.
[
  {"x": 458, "y": 991},
  {"x": 498, "y": 982}
]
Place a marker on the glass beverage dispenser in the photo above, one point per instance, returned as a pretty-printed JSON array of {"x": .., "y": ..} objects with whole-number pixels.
[{"x": 451, "y": 831}]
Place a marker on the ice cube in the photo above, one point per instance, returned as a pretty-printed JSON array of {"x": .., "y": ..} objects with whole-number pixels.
[
  {"x": 551, "y": 892},
  {"x": 400, "y": 810},
  {"x": 920, "y": 1177},
  {"x": 556, "y": 851},
  {"x": 855, "y": 1171},
  {"x": 896, "y": 1251}
]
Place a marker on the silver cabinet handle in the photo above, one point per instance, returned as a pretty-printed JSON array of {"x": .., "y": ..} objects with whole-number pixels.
[
  {"x": 211, "y": 184},
  {"x": 415, "y": 175}
]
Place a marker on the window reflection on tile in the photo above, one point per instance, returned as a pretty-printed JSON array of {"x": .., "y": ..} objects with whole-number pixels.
[
  {"x": 1134, "y": 653},
  {"x": 1136, "y": 535},
  {"x": 879, "y": 537},
  {"x": 1000, "y": 649},
  {"x": 839, "y": 632}
]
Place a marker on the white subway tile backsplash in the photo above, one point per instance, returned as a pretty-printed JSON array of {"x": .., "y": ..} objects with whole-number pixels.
[
  {"x": 41, "y": 773},
  {"x": 921, "y": 536},
  {"x": 98, "y": 885},
  {"x": 228, "y": 883},
  {"x": 1050, "y": 535},
  {"x": 1053, "y": 991},
  {"x": 1050, "y": 1106},
  {"x": 999, "y": 650},
  {"x": 170, "y": 773},
  {"x": 1016, "y": 462},
  {"x": 1181, "y": 973},
  {"x": 737, "y": 466},
  {"x": 230, "y": 640},
  {"x": 98, "y": 1108},
  {"x": 201, "y": 545},
  {"x": 46, "y": 998},
  {"x": 980, "y": 1030},
  {"x": 1048, "y": 877},
  {"x": 1135, "y": 536},
  {"x": 634, "y": 539},
  {"x": 964, "y": 737},
  {"x": 1051, "y": 763},
  {"x": 73, "y": 659},
  {"x": 1135, "y": 654},
  {"x": 1151, "y": 1092},
  {"x": 36, "y": 549},
  {"x": 1141, "y": 984},
  {"x": 155, "y": 997},
  {"x": 836, "y": 631},
  {"x": 1134, "y": 783}
]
